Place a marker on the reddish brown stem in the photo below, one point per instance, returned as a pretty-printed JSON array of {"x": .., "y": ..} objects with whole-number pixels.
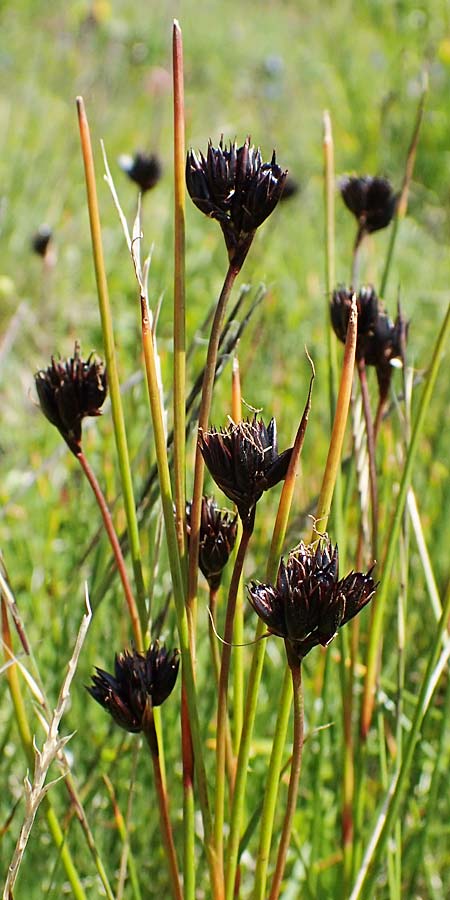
[
  {"x": 166, "y": 828},
  {"x": 115, "y": 545}
]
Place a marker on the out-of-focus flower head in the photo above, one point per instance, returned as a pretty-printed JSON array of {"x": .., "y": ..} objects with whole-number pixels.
[
  {"x": 218, "y": 530},
  {"x": 372, "y": 201},
  {"x": 386, "y": 349},
  {"x": 139, "y": 679},
  {"x": 144, "y": 169},
  {"x": 244, "y": 461},
  {"x": 309, "y": 603},
  {"x": 68, "y": 390},
  {"x": 41, "y": 240},
  {"x": 234, "y": 186},
  {"x": 367, "y": 305}
]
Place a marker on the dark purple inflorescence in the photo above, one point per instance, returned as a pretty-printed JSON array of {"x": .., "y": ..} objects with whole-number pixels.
[
  {"x": 218, "y": 530},
  {"x": 371, "y": 200}
]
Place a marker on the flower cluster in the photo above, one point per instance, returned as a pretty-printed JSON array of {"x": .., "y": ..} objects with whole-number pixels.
[
  {"x": 371, "y": 200},
  {"x": 234, "y": 186},
  {"x": 244, "y": 461},
  {"x": 218, "y": 530},
  {"x": 137, "y": 681},
  {"x": 144, "y": 169},
  {"x": 69, "y": 390},
  {"x": 309, "y": 603}
]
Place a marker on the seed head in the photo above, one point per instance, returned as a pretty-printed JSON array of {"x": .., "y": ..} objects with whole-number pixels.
[
  {"x": 138, "y": 680},
  {"x": 218, "y": 530},
  {"x": 371, "y": 200},
  {"x": 244, "y": 461},
  {"x": 233, "y": 185},
  {"x": 309, "y": 603},
  {"x": 144, "y": 169},
  {"x": 69, "y": 390}
]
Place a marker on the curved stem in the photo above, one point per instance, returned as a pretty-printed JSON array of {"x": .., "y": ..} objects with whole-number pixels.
[
  {"x": 205, "y": 408},
  {"x": 296, "y": 672},
  {"x": 115, "y": 545},
  {"x": 166, "y": 828},
  {"x": 223, "y": 691}
]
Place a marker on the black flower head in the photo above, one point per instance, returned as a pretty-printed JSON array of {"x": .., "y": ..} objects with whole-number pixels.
[
  {"x": 41, "y": 240},
  {"x": 218, "y": 530},
  {"x": 144, "y": 169},
  {"x": 68, "y": 391},
  {"x": 234, "y": 186},
  {"x": 367, "y": 306},
  {"x": 243, "y": 459},
  {"x": 371, "y": 200},
  {"x": 138, "y": 679},
  {"x": 309, "y": 603},
  {"x": 386, "y": 348}
]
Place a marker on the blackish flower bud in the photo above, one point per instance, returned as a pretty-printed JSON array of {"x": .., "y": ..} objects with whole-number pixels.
[
  {"x": 218, "y": 530},
  {"x": 387, "y": 348},
  {"x": 309, "y": 603},
  {"x": 243, "y": 459},
  {"x": 138, "y": 680},
  {"x": 41, "y": 240},
  {"x": 145, "y": 170},
  {"x": 234, "y": 186},
  {"x": 367, "y": 306},
  {"x": 68, "y": 391},
  {"x": 371, "y": 200}
]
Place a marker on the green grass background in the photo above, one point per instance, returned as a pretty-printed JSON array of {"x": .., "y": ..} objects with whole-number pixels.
[{"x": 267, "y": 69}]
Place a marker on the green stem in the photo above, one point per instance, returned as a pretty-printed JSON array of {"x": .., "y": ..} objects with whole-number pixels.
[
  {"x": 178, "y": 586},
  {"x": 205, "y": 408},
  {"x": 111, "y": 361},
  {"x": 392, "y": 539},
  {"x": 237, "y": 809},
  {"x": 26, "y": 738},
  {"x": 222, "y": 701},
  {"x": 367, "y": 876},
  {"x": 115, "y": 545},
  {"x": 215, "y": 657},
  {"x": 166, "y": 828},
  {"x": 370, "y": 436},
  {"x": 294, "y": 780}
]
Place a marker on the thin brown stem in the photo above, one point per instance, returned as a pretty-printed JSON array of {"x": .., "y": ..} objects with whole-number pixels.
[
  {"x": 166, "y": 827},
  {"x": 296, "y": 672},
  {"x": 115, "y": 545},
  {"x": 215, "y": 656}
]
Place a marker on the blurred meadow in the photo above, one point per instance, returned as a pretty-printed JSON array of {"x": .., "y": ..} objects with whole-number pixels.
[{"x": 269, "y": 70}]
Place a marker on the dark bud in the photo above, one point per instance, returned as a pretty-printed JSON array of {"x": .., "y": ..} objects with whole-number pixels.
[
  {"x": 234, "y": 186},
  {"x": 371, "y": 200},
  {"x": 138, "y": 680},
  {"x": 290, "y": 189},
  {"x": 244, "y": 461},
  {"x": 309, "y": 603},
  {"x": 367, "y": 305},
  {"x": 145, "y": 170},
  {"x": 41, "y": 240},
  {"x": 386, "y": 349},
  {"x": 68, "y": 391},
  {"x": 218, "y": 530}
]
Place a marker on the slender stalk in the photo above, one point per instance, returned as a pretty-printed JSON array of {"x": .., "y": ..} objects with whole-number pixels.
[
  {"x": 436, "y": 665},
  {"x": 294, "y": 780},
  {"x": 222, "y": 700},
  {"x": 121, "y": 826},
  {"x": 237, "y": 808},
  {"x": 392, "y": 539},
  {"x": 116, "y": 548},
  {"x": 26, "y": 738},
  {"x": 166, "y": 828},
  {"x": 205, "y": 408},
  {"x": 111, "y": 361},
  {"x": 179, "y": 327},
  {"x": 215, "y": 657},
  {"x": 238, "y": 632},
  {"x": 370, "y": 435},
  {"x": 178, "y": 588}
]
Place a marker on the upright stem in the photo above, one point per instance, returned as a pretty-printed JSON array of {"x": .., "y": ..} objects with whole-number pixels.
[
  {"x": 179, "y": 328},
  {"x": 111, "y": 361},
  {"x": 166, "y": 828},
  {"x": 215, "y": 657},
  {"x": 222, "y": 700},
  {"x": 296, "y": 672},
  {"x": 371, "y": 454},
  {"x": 115, "y": 545},
  {"x": 205, "y": 408},
  {"x": 238, "y": 631}
]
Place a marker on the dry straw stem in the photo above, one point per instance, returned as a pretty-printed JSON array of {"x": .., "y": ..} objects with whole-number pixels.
[{"x": 53, "y": 745}]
